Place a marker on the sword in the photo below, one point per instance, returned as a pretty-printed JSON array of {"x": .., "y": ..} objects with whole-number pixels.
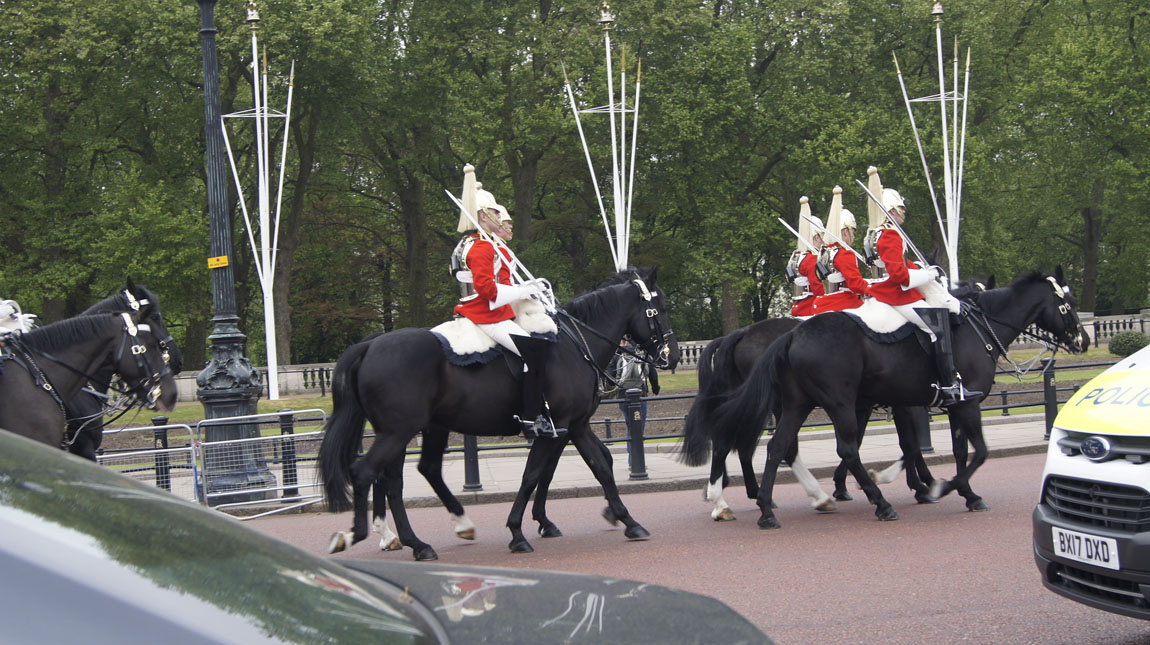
[
  {"x": 898, "y": 228},
  {"x": 836, "y": 239},
  {"x": 805, "y": 243}
]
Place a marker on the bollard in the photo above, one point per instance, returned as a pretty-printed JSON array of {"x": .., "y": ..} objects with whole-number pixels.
[
  {"x": 635, "y": 433},
  {"x": 1005, "y": 410},
  {"x": 163, "y": 463},
  {"x": 1049, "y": 394},
  {"x": 471, "y": 463},
  {"x": 290, "y": 474},
  {"x": 607, "y": 425}
]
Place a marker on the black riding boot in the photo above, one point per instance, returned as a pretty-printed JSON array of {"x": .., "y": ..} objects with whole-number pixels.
[
  {"x": 950, "y": 388},
  {"x": 535, "y": 352}
]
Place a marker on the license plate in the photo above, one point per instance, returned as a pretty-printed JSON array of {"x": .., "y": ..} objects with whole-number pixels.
[{"x": 1083, "y": 547}]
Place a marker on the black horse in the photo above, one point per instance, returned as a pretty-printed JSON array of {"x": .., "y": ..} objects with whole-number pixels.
[
  {"x": 724, "y": 365},
  {"x": 829, "y": 362},
  {"x": 44, "y": 367},
  {"x": 86, "y": 410},
  {"x": 402, "y": 383}
]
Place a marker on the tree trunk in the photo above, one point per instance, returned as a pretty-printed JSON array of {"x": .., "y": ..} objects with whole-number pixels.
[
  {"x": 729, "y": 308},
  {"x": 193, "y": 350},
  {"x": 411, "y": 200},
  {"x": 524, "y": 169},
  {"x": 1092, "y": 219}
]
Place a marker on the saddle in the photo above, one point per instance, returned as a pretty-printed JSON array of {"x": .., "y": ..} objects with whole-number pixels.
[
  {"x": 882, "y": 324},
  {"x": 464, "y": 343}
]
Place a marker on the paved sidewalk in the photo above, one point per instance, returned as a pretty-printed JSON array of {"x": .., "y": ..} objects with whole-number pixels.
[{"x": 500, "y": 471}]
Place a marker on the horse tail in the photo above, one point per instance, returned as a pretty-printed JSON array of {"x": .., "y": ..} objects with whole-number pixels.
[
  {"x": 696, "y": 439},
  {"x": 343, "y": 430},
  {"x": 756, "y": 397}
]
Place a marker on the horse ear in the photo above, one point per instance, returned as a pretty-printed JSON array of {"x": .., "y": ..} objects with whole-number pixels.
[
  {"x": 652, "y": 274},
  {"x": 1058, "y": 275},
  {"x": 991, "y": 283},
  {"x": 130, "y": 286}
]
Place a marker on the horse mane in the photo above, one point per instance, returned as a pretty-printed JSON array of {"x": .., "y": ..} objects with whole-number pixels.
[
  {"x": 593, "y": 304},
  {"x": 118, "y": 302},
  {"x": 65, "y": 333},
  {"x": 996, "y": 299}
]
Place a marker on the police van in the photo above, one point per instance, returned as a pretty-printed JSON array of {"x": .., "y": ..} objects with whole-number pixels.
[{"x": 1092, "y": 523}]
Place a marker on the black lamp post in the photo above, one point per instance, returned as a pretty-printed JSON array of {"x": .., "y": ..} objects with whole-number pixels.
[{"x": 228, "y": 386}]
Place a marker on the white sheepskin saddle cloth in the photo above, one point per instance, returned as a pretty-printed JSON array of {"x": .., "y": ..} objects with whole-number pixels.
[
  {"x": 467, "y": 342},
  {"x": 887, "y": 324}
]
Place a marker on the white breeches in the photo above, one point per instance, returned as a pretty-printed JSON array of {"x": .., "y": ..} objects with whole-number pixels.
[
  {"x": 502, "y": 331},
  {"x": 908, "y": 312}
]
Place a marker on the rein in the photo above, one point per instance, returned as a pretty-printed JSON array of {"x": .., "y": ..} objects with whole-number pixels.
[{"x": 1052, "y": 344}]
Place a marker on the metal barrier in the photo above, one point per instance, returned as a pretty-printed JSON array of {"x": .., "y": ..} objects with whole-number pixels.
[{"x": 290, "y": 457}]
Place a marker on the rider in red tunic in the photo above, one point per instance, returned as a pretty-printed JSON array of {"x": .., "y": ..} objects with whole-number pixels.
[
  {"x": 801, "y": 269},
  {"x": 485, "y": 263},
  {"x": 839, "y": 262},
  {"x": 899, "y": 290}
]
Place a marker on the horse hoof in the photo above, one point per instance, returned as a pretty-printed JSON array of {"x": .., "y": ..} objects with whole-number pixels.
[
  {"x": 340, "y": 540},
  {"x": 925, "y": 498},
  {"x": 550, "y": 531},
  {"x": 977, "y": 506},
  {"x": 769, "y": 522},
  {"x": 938, "y": 489},
  {"x": 873, "y": 474},
  {"x": 842, "y": 495},
  {"x": 886, "y": 515},
  {"x": 827, "y": 506},
  {"x": 520, "y": 546},
  {"x": 426, "y": 554},
  {"x": 723, "y": 515},
  {"x": 466, "y": 534},
  {"x": 392, "y": 545},
  {"x": 610, "y": 516},
  {"x": 636, "y": 533}
]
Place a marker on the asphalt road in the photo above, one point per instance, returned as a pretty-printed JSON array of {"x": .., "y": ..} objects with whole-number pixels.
[{"x": 938, "y": 575}]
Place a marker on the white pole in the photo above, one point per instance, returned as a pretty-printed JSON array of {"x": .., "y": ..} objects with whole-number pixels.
[
  {"x": 946, "y": 177},
  {"x": 267, "y": 274},
  {"x": 590, "y": 167},
  {"x": 952, "y": 226},
  {"x": 623, "y": 259},
  {"x": 634, "y": 141},
  {"x": 962, "y": 153},
  {"x": 614, "y": 153},
  {"x": 283, "y": 165},
  {"x": 243, "y": 202},
  {"x": 921, "y": 154}
]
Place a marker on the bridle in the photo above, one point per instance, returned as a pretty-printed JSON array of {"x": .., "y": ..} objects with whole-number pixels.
[
  {"x": 658, "y": 338},
  {"x": 983, "y": 320}
]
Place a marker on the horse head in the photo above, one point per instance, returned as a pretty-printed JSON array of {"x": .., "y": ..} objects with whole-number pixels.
[
  {"x": 650, "y": 327},
  {"x": 1059, "y": 315},
  {"x": 132, "y": 293},
  {"x": 142, "y": 362}
]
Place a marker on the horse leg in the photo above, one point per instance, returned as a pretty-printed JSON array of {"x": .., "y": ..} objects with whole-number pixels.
[
  {"x": 547, "y": 528},
  {"x": 421, "y": 551},
  {"x": 599, "y": 461},
  {"x": 840, "y": 477},
  {"x": 820, "y": 501},
  {"x": 431, "y": 467},
  {"x": 786, "y": 432},
  {"x": 537, "y": 461},
  {"x": 847, "y": 445},
  {"x": 965, "y": 423},
  {"x": 907, "y": 422},
  {"x": 388, "y": 541},
  {"x": 713, "y": 492},
  {"x": 746, "y": 455}
]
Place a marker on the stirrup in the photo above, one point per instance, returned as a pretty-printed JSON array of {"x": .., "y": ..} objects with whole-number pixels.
[
  {"x": 951, "y": 394},
  {"x": 541, "y": 427}
]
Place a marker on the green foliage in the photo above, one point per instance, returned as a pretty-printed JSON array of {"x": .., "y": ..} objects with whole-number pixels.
[{"x": 1126, "y": 343}]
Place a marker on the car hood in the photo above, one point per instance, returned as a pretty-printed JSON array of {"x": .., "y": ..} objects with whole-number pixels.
[
  {"x": 502, "y": 605},
  {"x": 1112, "y": 403}
]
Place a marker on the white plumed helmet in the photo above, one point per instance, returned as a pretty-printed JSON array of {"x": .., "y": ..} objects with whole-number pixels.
[
  {"x": 848, "y": 219},
  {"x": 891, "y": 199},
  {"x": 485, "y": 200},
  {"x": 805, "y": 232},
  {"x": 838, "y": 218}
]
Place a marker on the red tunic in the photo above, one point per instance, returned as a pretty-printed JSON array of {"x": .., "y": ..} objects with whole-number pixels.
[
  {"x": 805, "y": 304},
  {"x": 483, "y": 264},
  {"x": 890, "y": 248},
  {"x": 855, "y": 287}
]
